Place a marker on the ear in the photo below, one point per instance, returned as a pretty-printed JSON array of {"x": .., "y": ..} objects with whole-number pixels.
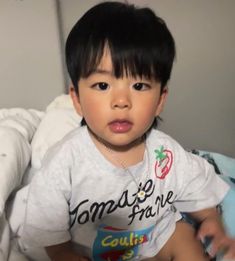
[
  {"x": 76, "y": 101},
  {"x": 162, "y": 101}
]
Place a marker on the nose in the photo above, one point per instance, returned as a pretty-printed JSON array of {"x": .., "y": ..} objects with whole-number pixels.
[{"x": 121, "y": 99}]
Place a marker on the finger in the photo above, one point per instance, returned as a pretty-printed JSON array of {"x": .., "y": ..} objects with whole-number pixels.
[
  {"x": 230, "y": 253},
  {"x": 204, "y": 231},
  {"x": 208, "y": 233},
  {"x": 222, "y": 246},
  {"x": 229, "y": 257}
]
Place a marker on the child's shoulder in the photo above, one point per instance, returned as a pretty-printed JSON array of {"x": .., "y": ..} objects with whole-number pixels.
[
  {"x": 159, "y": 138},
  {"x": 71, "y": 143},
  {"x": 163, "y": 144},
  {"x": 75, "y": 137}
]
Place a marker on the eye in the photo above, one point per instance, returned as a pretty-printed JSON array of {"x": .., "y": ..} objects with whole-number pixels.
[
  {"x": 141, "y": 86},
  {"x": 102, "y": 86}
]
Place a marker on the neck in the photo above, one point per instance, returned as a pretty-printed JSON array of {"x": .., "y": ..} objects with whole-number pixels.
[{"x": 126, "y": 155}]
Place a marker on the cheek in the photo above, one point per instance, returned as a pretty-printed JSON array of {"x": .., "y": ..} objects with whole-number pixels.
[
  {"x": 148, "y": 117},
  {"x": 146, "y": 113},
  {"x": 147, "y": 110},
  {"x": 92, "y": 110}
]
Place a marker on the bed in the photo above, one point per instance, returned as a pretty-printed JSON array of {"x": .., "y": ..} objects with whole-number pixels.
[{"x": 25, "y": 136}]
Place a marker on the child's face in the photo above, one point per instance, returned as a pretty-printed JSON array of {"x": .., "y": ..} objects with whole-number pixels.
[{"x": 118, "y": 110}]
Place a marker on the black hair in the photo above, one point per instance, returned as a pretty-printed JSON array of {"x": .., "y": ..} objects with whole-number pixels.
[{"x": 139, "y": 42}]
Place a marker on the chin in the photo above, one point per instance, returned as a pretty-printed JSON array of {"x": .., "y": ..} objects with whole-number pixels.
[{"x": 124, "y": 143}]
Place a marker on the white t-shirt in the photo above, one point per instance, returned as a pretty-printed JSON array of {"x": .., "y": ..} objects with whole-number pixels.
[{"x": 79, "y": 195}]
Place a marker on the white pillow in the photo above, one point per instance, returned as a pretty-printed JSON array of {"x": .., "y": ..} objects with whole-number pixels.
[
  {"x": 62, "y": 101},
  {"x": 15, "y": 154},
  {"x": 56, "y": 123}
]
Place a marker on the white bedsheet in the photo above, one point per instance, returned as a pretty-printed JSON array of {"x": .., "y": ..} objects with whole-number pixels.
[{"x": 17, "y": 127}]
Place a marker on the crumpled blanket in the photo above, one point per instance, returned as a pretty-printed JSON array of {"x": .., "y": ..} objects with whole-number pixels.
[{"x": 17, "y": 127}]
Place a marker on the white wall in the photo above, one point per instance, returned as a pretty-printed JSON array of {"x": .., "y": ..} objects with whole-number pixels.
[
  {"x": 200, "y": 109},
  {"x": 31, "y": 72}
]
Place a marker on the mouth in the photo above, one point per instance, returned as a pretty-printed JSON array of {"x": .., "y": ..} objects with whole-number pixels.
[{"x": 120, "y": 126}]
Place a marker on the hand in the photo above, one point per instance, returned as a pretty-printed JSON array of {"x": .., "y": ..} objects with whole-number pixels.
[{"x": 213, "y": 227}]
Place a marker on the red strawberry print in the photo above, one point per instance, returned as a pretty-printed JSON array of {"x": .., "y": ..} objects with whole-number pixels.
[{"x": 164, "y": 159}]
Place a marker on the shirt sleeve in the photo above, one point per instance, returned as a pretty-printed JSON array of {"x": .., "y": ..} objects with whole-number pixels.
[
  {"x": 47, "y": 212},
  {"x": 201, "y": 187}
]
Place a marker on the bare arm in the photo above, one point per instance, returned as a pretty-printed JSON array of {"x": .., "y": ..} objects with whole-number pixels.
[
  {"x": 64, "y": 252},
  {"x": 212, "y": 226}
]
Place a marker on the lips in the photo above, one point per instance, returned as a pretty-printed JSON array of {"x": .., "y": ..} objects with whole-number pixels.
[{"x": 120, "y": 126}]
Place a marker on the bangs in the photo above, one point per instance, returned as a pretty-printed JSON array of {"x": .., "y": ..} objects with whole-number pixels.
[{"x": 125, "y": 62}]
